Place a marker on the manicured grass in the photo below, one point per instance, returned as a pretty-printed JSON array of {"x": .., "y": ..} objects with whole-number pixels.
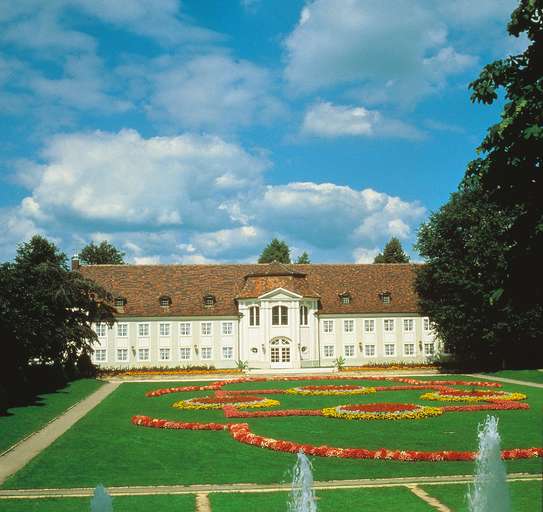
[
  {"x": 525, "y": 496},
  {"x": 181, "y": 503},
  {"x": 22, "y": 421},
  {"x": 382, "y": 499},
  {"x": 105, "y": 447},
  {"x": 527, "y": 375}
]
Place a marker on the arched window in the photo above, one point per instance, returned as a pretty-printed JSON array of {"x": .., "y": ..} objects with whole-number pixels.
[
  {"x": 254, "y": 316},
  {"x": 279, "y": 315},
  {"x": 303, "y": 315}
]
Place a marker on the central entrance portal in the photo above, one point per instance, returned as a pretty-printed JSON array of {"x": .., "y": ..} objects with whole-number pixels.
[{"x": 280, "y": 353}]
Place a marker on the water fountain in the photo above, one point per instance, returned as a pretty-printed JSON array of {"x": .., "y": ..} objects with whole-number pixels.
[
  {"x": 489, "y": 491},
  {"x": 302, "y": 495},
  {"x": 101, "y": 501}
]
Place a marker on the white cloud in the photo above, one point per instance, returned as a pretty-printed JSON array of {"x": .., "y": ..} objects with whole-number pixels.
[
  {"x": 162, "y": 198},
  {"x": 124, "y": 179},
  {"x": 365, "y": 255},
  {"x": 386, "y": 51},
  {"x": 210, "y": 91},
  {"x": 147, "y": 260},
  {"x": 323, "y": 119}
]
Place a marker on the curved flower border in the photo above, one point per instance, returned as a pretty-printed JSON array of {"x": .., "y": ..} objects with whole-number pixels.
[
  {"x": 446, "y": 396},
  {"x": 419, "y": 413},
  {"x": 193, "y": 403},
  {"x": 241, "y": 432},
  {"x": 330, "y": 390}
]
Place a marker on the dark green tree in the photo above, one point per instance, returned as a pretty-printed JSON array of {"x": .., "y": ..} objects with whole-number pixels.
[
  {"x": 303, "y": 259},
  {"x": 101, "y": 254},
  {"x": 45, "y": 315},
  {"x": 510, "y": 169},
  {"x": 465, "y": 263},
  {"x": 276, "y": 250},
  {"x": 392, "y": 253}
]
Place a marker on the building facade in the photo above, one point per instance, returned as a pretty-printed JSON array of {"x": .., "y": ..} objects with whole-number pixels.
[{"x": 269, "y": 315}]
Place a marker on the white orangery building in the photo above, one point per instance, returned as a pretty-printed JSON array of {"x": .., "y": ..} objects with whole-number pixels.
[{"x": 270, "y": 315}]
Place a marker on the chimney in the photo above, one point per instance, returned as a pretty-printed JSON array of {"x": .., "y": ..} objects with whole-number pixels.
[{"x": 75, "y": 262}]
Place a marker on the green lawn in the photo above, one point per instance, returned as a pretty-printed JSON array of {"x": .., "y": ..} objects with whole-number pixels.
[
  {"x": 105, "y": 447},
  {"x": 525, "y": 496},
  {"x": 526, "y": 375},
  {"x": 181, "y": 503},
  {"x": 22, "y": 421},
  {"x": 365, "y": 500}
]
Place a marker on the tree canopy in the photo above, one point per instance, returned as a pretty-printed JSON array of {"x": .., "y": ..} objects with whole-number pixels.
[
  {"x": 511, "y": 164},
  {"x": 392, "y": 253},
  {"x": 46, "y": 313},
  {"x": 482, "y": 284},
  {"x": 276, "y": 250},
  {"x": 303, "y": 259},
  {"x": 101, "y": 254}
]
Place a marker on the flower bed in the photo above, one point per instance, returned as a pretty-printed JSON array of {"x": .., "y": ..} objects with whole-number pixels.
[
  {"x": 382, "y": 411},
  {"x": 232, "y": 412},
  {"x": 331, "y": 390},
  {"x": 454, "y": 395},
  {"x": 218, "y": 402}
]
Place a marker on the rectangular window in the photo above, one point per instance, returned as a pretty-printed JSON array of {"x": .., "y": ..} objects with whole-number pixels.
[
  {"x": 100, "y": 355},
  {"x": 328, "y": 326},
  {"x": 329, "y": 350},
  {"x": 101, "y": 330},
  {"x": 409, "y": 349},
  {"x": 279, "y": 315},
  {"x": 122, "y": 354},
  {"x": 369, "y": 325},
  {"x": 345, "y": 299},
  {"x": 143, "y": 330},
  {"x": 429, "y": 349},
  {"x": 408, "y": 325},
  {"x": 164, "y": 329},
  {"x": 386, "y": 299},
  {"x": 122, "y": 330},
  {"x": 390, "y": 349},
  {"x": 389, "y": 325},
  {"x": 227, "y": 353},
  {"x": 227, "y": 328},
  {"x": 254, "y": 316},
  {"x": 205, "y": 328},
  {"x": 184, "y": 329},
  {"x": 303, "y": 315},
  {"x": 164, "y": 354},
  {"x": 143, "y": 354},
  {"x": 207, "y": 352},
  {"x": 348, "y": 325},
  {"x": 348, "y": 350},
  {"x": 184, "y": 353},
  {"x": 369, "y": 350},
  {"x": 426, "y": 324}
]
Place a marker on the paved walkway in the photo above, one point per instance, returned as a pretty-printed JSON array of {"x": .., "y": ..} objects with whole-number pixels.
[
  {"x": 506, "y": 380},
  {"x": 22, "y": 453},
  {"x": 252, "y": 488}
]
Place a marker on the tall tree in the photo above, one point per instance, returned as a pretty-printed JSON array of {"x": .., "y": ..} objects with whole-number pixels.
[
  {"x": 392, "y": 253},
  {"x": 483, "y": 284},
  {"x": 510, "y": 168},
  {"x": 303, "y": 259},
  {"x": 465, "y": 262},
  {"x": 276, "y": 250},
  {"x": 46, "y": 313},
  {"x": 101, "y": 254}
]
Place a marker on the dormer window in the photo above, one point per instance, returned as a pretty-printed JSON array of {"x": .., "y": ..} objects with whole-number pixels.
[
  {"x": 345, "y": 298},
  {"x": 165, "y": 301},
  {"x": 209, "y": 300},
  {"x": 120, "y": 302},
  {"x": 385, "y": 297}
]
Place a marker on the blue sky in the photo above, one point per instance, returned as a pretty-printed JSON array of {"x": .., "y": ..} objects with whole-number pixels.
[{"x": 196, "y": 131}]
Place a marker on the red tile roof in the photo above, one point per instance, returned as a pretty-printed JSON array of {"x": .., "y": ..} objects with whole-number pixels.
[{"x": 143, "y": 285}]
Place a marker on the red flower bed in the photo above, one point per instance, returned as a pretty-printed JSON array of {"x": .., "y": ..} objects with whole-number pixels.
[
  {"x": 226, "y": 399},
  {"x": 495, "y": 406},
  {"x": 147, "y": 421},
  {"x": 232, "y": 412}
]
